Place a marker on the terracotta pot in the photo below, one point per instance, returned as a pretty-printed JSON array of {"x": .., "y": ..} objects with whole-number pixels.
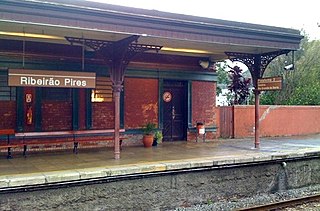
[{"x": 147, "y": 140}]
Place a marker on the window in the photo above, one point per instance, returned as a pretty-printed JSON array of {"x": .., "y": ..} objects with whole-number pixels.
[
  {"x": 6, "y": 92},
  {"x": 103, "y": 90},
  {"x": 56, "y": 94}
]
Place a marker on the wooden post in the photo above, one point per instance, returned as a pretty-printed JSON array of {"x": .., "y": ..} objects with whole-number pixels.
[{"x": 116, "y": 96}]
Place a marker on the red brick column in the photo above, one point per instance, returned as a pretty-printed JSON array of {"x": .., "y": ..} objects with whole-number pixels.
[{"x": 204, "y": 106}]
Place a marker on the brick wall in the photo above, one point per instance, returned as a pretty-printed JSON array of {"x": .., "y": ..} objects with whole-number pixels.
[
  {"x": 277, "y": 120},
  {"x": 56, "y": 116},
  {"x": 8, "y": 114},
  {"x": 204, "y": 106},
  {"x": 141, "y": 102},
  {"x": 103, "y": 115}
]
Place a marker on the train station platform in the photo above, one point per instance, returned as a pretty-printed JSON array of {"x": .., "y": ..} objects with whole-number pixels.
[{"x": 64, "y": 166}]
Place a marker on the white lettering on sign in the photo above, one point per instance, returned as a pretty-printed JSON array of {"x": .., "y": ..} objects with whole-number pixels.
[
  {"x": 43, "y": 78},
  {"x": 76, "y": 83},
  {"x": 39, "y": 82},
  {"x": 69, "y": 82}
]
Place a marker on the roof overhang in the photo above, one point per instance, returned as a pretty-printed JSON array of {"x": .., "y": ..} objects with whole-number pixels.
[{"x": 178, "y": 34}]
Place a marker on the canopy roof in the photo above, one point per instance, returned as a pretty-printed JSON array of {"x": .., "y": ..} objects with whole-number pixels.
[{"x": 40, "y": 20}]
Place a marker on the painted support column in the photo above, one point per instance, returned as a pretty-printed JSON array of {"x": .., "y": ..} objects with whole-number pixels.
[
  {"x": 20, "y": 111},
  {"x": 256, "y": 74},
  {"x": 38, "y": 112},
  {"x": 75, "y": 109},
  {"x": 88, "y": 107},
  {"x": 116, "y": 96},
  {"x": 256, "y": 119}
]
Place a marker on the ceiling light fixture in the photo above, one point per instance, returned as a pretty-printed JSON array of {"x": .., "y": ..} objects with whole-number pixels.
[
  {"x": 185, "y": 50},
  {"x": 31, "y": 35}
]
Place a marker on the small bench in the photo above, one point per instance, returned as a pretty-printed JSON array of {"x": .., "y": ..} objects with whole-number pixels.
[{"x": 25, "y": 139}]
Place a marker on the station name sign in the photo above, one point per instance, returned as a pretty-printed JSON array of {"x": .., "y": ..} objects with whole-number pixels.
[
  {"x": 271, "y": 83},
  {"x": 54, "y": 79}
]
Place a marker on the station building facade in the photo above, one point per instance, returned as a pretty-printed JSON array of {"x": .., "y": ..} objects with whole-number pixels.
[
  {"x": 160, "y": 64},
  {"x": 34, "y": 107}
]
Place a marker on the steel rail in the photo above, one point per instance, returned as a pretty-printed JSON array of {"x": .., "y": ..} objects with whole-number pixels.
[{"x": 283, "y": 204}]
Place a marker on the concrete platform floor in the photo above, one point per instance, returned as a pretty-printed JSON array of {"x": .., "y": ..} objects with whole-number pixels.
[{"x": 41, "y": 168}]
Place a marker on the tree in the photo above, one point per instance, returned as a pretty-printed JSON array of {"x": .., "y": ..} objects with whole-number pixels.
[
  {"x": 301, "y": 86},
  {"x": 223, "y": 78},
  {"x": 239, "y": 86}
]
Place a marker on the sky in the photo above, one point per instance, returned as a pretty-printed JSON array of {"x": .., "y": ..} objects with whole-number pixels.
[{"x": 283, "y": 13}]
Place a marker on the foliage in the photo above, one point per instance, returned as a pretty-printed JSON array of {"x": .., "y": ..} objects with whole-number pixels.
[
  {"x": 239, "y": 86},
  {"x": 223, "y": 78},
  {"x": 149, "y": 128},
  {"x": 158, "y": 135},
  {"x": 301, "y": 86}
]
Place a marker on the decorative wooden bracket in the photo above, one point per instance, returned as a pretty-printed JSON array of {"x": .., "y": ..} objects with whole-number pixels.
[
  {"x": 117, "y": 54},
  {"x": 257, "y": 63}
]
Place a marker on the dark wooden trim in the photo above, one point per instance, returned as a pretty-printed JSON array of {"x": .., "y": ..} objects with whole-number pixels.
[
  {"x": 134, "y": 131},
  {"x": 208, "y": 129},
  {"x": 122, "y": 109},
  {"x": 20, "y": 118},
  {"x": 174, "y": 74},
  {"x": 75, "y": 109},
  {"x": 38, "y": 113},
  {"x": 189, "y": 106},
  {"x": 82, "y": 109},
  {"x": 88, "y": 109},
  {"x": 160, "y": 108}
]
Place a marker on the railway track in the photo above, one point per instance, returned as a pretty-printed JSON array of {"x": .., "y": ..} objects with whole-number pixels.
[{"x": 284, "y": 204}]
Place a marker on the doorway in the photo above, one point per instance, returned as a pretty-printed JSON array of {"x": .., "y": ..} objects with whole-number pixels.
[{"x": 174, "y": 98}]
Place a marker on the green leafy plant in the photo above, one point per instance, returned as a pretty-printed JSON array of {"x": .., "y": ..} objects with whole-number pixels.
[
  {"x": 149, "y": 128},
  {"x": 158, "y": 135}
]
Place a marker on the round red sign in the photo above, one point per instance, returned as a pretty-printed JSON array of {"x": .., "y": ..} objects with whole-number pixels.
[{"x": 167, "y": 97}]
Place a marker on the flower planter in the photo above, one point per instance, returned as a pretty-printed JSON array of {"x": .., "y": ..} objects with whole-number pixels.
[{"x": 148, "y": 140}]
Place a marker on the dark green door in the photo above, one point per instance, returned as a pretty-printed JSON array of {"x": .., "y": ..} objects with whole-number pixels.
[{"x": 174, "y": 110}]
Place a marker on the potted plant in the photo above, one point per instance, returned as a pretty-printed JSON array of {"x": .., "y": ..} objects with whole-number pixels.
[
  {"x": 148, "y": 134},
  {"x": 157, "y": 138}
]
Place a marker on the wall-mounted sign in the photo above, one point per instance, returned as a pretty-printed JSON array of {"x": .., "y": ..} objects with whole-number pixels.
[
  {"x": 167, "y": 97},
  {"x": 272, "y": 83},
  {"x": 28, "y": 98},
  {"x": 44, "y": 78}
]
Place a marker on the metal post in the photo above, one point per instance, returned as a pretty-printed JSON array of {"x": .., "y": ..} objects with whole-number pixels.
[
  {"x": 256, "y": 76},
  {"x": 116, "y": 96},
  {"x": 256, "y": 118}
]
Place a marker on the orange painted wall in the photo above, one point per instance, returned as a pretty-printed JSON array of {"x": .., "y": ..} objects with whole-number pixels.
[{"x": 277, "y": 120}]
